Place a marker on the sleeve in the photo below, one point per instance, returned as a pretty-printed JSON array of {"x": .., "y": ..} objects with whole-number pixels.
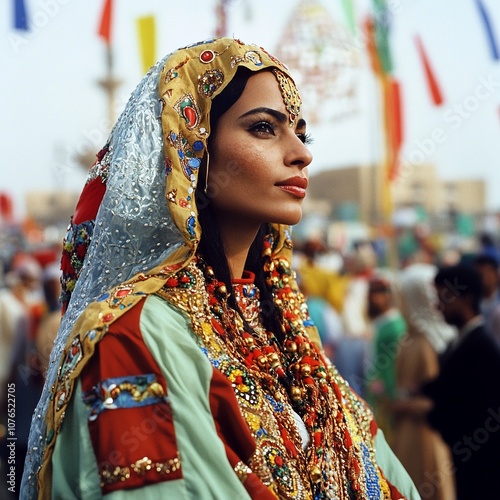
[
  {"x": 387, "y": 350},
  {"x": 141, "y": 425},
  {"x": 393, "y": 470},
  {"x": 494, "y": 324},
  {"x": 213, "y": 438}
]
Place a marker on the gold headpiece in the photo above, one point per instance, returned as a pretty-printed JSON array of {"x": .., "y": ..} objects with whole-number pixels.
[{"x": 290, "y": 95}]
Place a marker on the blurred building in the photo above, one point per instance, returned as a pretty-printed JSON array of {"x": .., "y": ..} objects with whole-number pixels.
[
  {"x": 354, "y": 193},
  {"x": 51, "y": 208}
]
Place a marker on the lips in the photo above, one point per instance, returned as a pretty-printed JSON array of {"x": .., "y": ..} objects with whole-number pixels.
[
  {"x": 296, "y": 185},
  {"x": 297, "y": 181}
]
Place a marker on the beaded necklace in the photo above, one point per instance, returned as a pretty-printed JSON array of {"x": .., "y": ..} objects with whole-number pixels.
[{"x": 292, "y": 375}]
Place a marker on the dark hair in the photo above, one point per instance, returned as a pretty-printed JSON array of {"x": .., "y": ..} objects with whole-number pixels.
[
  {"x": 462, "y": 280},
  {"x": 210, "y": 246}
]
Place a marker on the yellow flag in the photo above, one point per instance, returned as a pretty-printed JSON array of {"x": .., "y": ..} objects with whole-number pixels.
[{"x": 146, "y": 30}]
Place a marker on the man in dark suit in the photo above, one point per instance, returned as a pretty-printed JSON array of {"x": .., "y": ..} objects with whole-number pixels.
[{"x": 466, "y": 394}]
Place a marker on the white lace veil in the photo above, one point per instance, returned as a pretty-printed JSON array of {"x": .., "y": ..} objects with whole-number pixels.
[
  {"x": 147, "y": 217},
  {"x": 135, "y": 212}
]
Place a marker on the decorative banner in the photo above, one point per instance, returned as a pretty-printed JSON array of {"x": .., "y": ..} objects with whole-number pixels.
[
  {"x": 490, "y": 33},
  {"x": 221, "y": 16},
  {"x": 105, "y": 23},
  {"x": 391, "y": 93},
  {"x": 371, "y": 46},
  {"x": 394, "y": 125},
  {"x": 377, "y": 44},
  {"x": 146, "y": 31},
  {"x": 435, "y": 91},
  {"x": 382, "y": 19},
  {"x": 6, "y": 207},
  {"x": 348, "y": 8},
  {"x": 20, "y": 17}
]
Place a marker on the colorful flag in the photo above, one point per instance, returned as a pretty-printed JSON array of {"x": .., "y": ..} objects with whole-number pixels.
[
  {"x": 432, "y": 83},
  {"x": 394, "y": 125},
  {"x": 371, "y": 45},
  {"x": 382, "y": 25},
  {"x": 221, "y": 16},
  {"x": 146, "y": 30},
  {"x": 105, "y": 23},
  {"x": 6, "y": 207},
  {"x": 20, "y": 17},
  {"x": 490, "y": 33},
  {"x": 348, "y": 8}
]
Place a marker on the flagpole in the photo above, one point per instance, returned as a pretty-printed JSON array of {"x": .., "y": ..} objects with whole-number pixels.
[{"x": 110, "y": 85}]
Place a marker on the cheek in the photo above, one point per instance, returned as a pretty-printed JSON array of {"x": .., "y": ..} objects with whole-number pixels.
[{"x": 244, "y": 168}]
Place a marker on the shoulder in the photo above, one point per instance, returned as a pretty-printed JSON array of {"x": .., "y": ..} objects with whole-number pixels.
[
  {"x": 475, "y": 357},
  {"x": 393, "y": 325},
  {"x": 479, "y": 340},
  {"x": 151, "y": 316}
]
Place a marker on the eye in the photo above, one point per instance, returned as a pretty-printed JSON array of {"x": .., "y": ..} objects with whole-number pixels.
[
  {"x": 306, "y": 138},
  {"x": 263, "y": 127}
]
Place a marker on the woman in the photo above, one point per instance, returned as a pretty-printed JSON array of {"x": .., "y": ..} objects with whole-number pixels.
[
  {"x": 421, "y": 450},
  {"x": 189, "y": 368}
]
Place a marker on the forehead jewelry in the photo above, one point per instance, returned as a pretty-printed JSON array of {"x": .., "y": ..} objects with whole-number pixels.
[
  {"x": 290, "y": 94},
  {"x": 208, "y": 55}
]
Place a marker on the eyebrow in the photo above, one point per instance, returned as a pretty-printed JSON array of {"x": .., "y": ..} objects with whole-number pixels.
[{"x": 281, "y": 117}]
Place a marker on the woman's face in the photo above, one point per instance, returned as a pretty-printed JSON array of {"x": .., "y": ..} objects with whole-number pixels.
[{"x": 257, "y": 170}]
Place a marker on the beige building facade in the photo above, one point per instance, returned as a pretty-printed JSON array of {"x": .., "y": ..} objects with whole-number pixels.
[{"x": 358, "y": 190}]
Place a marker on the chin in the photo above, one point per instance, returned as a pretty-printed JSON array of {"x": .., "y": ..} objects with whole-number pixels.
[{"x": 290, "y": 219}]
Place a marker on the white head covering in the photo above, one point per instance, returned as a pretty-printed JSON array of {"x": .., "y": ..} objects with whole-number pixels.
[
  {"x": 146, "y": 223},
  {"x": 419, "y": 304}
]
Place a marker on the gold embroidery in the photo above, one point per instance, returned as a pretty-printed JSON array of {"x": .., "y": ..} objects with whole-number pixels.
[
  {"x": 152, "y": 390},
  {"x": 290, "y": 94},
  {"x": 333, "y": 413},
  {"x": 242, "y": 471},
  {"x": 111, "y": 475}
]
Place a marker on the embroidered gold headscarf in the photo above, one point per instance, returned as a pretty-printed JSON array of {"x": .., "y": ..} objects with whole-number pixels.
[{"x": 146, "y": 220}]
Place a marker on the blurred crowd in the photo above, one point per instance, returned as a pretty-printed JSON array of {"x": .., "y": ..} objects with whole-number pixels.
[
  {"x": 421, "y": 344},
  {"x": 29, "y": 321},
  {"x": 387, "y": 331}
]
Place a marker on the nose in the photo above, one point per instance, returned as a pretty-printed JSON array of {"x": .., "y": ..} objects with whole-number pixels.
[{"x": 298, "y": 153}]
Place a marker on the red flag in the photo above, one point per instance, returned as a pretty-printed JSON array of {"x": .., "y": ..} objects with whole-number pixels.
[
  {"x": 394, "y": 125},
  {"x": 105, "y": 24},
  {"x": 221, "y": 16},
  {"x": 397, "y": 113},
  {"x": 437, "y": 96},
  {"x": 6, "y": 207}
]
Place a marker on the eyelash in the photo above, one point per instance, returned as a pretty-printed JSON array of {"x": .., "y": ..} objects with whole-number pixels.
[
  {"x": 306, "y": 138},
  {"x": 262, "y": 127},
  {"x": 266, "y": 127}
]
